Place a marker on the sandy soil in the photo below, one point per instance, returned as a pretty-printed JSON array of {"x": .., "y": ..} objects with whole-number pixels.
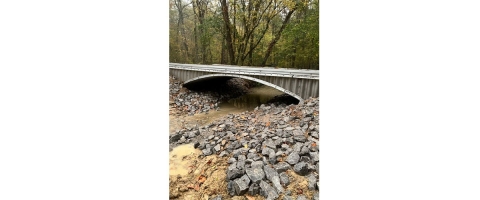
[{"x": 195, "y": 177}]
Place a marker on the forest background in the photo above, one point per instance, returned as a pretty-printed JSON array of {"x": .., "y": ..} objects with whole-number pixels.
[{"x": 274, "y": 33}]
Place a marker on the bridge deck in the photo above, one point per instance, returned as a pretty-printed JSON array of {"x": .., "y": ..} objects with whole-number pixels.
[{"x": 280, "y": 72}]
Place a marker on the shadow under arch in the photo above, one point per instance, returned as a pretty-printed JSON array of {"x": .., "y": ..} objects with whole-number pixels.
[{"x": 212, "y": 76}]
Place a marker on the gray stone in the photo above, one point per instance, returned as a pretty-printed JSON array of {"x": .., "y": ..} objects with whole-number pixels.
[
  {"x": 182, "y": 139},
  {"x": 269, "y": 172},
  {"x": 196, "y": 145},
  {"x": 312, "y": 181},
  {"x": 300, "y": 138},
  {"x": 301, "y": 197},
  {"x": 269, "y": 143},
  {"x": 231, "y": 160},
  {"x": 279, "y": 132},
  {"x": 298, "y": 147},
  {"x": 207, "y": 151},
  {"x": 304, "y": 127},
  {"x": 285, "y": 147},
  {"x": 316, "y": 196},
  {"x": 236, "y": 145},
  {"x": 241, "y": 157},
  {"x": 229, "y": 133},
  {"x": 210, "y": 137},
  {"x": 234, "y": 173},
  {"x": 314, "y": 147},
  {"x": 282, "y": 126},
  {"x": 266, "y": 151},
  {"x": 236, "y": 153},
  {"x": 175, "y": 138},
  {"x": 288, "y": 151},
  {"x": 191, "y": 134},
  {"x": 255, "y": 174},
  {"x": 230, "y": 188},
  {"x": 241, "y": 185},
  {"x": 241, "y": 163},
  {"x": 257, "y": 164},
  {"x": 290, "y": 141},
  {"x": 307, "y": 144},
  {"x": 293, "y": 158},
  {"x": 263, "y": 136},
  {"x": 304, "y": 151},
  {"x": 279, "y": 153},
  {"x": 208, "y": 146},
  {"x": 284, "y": 179},
  {"x": 267, "y": 191},
  {"x": 217, "y": 148},
  {"x": 272, "y": 158},
  {"x": 277, "y": 185},
  {"x": 288, "y": 192},
  {"x": 243, "y": 151},
  {"x": 289, "y": 128},
  {"x": 287, "y": 197},
  {"x": 232, "y": 166},
  {"x": 305, "y": 159},
  {"x": 278, "y": 142},
  {"x": 229, "y": 147},
  {"x": 281, "y": 167},
  {"x": 221, "y": 134},
  {"x": 219, "y": 197},
  {"x": 223, "y": 153},
  {"x": 254, "y": 189},
  {"x": 314, "y": 134},
  {"x": 310, "y": 167},
  {"x": 265, "y": 161},
  {"x": 297, "y": 132},
  {"x": 314, "y": 156},
  {"x": 301, "y": 168}
]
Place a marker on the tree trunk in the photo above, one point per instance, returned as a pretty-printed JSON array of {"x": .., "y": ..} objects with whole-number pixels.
[
  {"x": 228, "y": 32},
  {"x": 180, "y": 24},
  {"x": 277, "y": 37},
  {"x": 250, "y": 53}
]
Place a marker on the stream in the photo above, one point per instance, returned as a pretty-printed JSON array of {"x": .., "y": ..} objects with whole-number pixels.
[{"x": 255, "y": 97}]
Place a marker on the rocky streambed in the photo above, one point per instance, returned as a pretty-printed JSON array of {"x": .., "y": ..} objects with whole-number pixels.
[{"x": 270, "y": 152}]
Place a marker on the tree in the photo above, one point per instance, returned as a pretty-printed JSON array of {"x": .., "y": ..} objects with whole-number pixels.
[{"x": 283, "y": 33}]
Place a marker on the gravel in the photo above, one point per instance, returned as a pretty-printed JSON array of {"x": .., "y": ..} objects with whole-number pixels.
[{"x": 259, "y": 154}]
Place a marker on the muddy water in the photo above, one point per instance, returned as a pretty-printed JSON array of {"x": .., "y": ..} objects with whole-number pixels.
[
  {"x": 178, "y": 159},
  {"x": 256, "y": 96}
]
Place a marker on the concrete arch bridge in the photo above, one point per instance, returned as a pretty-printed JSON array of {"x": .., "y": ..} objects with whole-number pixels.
[{"x": 299, "y": 83}]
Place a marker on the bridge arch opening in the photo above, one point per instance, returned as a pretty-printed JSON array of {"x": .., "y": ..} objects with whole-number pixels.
[{"x": 212, "y": 79}]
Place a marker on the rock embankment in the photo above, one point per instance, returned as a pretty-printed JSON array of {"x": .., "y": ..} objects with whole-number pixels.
[
  {"x": 202, "y": 100},
  {"x": 262, "y": 146}
]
